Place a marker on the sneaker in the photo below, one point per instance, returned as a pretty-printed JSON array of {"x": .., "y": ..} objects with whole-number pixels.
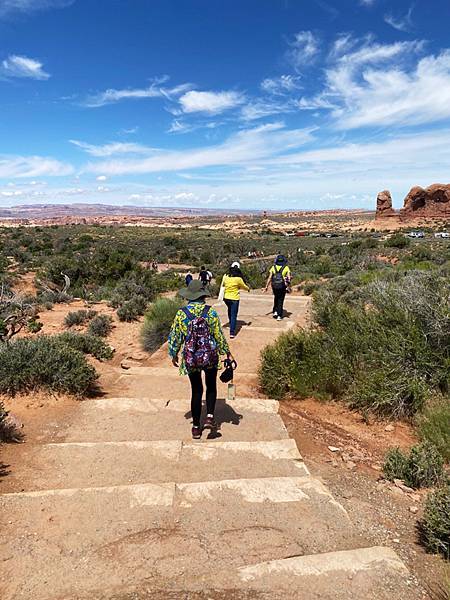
[
  {"x": 196, "y": 432},
  {"x": 279, "y": 319},
  {"x": 275, "y": 315},
  {"x": 210, "y": 423},
  {"x": 232, "y": 336}
]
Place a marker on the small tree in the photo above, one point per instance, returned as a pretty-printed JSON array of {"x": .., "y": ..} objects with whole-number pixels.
[{"x": 16, "y": 312}]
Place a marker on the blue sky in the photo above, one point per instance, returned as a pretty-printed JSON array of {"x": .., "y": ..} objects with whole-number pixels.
[{"x": 270, "y": 104}]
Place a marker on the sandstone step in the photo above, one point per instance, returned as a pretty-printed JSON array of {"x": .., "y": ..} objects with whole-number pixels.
[
  {"x": 113, "y": 420},
  {"x": 78, "y": 539},
  {"x": 374, "y": 573},
  {"x": 86, "y": 464}
]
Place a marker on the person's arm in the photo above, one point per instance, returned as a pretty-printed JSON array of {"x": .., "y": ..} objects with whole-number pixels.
[
  {"x": 176, "y": 337},
  {"x": 269, "y": 279},
  {"x": 216, "y": 327},
  {"x": 243, "y": 285}
]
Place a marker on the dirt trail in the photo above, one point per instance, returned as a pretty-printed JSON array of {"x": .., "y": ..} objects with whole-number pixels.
[{"x": 111, "y": 498}]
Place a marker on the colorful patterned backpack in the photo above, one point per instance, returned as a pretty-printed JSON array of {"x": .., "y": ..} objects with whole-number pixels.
[{"x": 200, "y": 348}]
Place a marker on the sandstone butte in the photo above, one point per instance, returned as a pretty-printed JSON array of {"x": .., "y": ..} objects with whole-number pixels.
[{"x": 432, "y": 202}]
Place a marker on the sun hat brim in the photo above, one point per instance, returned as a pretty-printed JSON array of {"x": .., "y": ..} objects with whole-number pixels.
[{"x": 188, "y": 294}]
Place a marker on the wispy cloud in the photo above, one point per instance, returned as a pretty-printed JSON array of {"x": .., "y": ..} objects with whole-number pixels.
[
  {"x": 245, "y": 146},
  {"x": 23, "y": 67},
  {"x": 9, "y": 7},
  {"x": 385, "y": 84},
  {"x": 154, "y": 90},
  {"x": 280, "y": 86},
  {"x": 367, "y": 2},
  {"x": 401, "y": 23},
  {"x": 303, "y": 49},
  {"x": 111, "y": 149},
  {"x": 212, "y": 103},
  {"x": 32, "y": 166}
]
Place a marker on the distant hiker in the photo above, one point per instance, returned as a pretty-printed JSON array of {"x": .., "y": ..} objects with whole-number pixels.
[
  {"x": 188, "y": 278},
  {"x": 205, "y": 276},
  {"x": 280, "y": 278},
  {"x": 232, "y": 284},
  {"x": 196, "y": 330}
]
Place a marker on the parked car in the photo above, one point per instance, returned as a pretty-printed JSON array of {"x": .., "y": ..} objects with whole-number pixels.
[
  {"x": 416, "y": 234},
  {"x": 442, "y": 234}
]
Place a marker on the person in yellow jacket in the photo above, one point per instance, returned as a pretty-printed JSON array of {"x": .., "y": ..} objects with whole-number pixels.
[
  {"x": 232, "y": 284},
  {"x": 280, "y": 278}
]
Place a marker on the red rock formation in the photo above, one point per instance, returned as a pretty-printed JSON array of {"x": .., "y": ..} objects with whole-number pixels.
[
  {"x": 431, "y": 202},
  {"x": 384, "y": 205}
]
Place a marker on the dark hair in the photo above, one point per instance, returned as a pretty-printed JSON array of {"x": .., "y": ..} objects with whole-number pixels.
[
  {"x": 235, "y": 272},
  {"x": 203, "y": 268}
]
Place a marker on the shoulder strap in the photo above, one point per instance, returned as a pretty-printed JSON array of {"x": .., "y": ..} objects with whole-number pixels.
[
  {"x": 188, "y": 313},
  {"x": 205, "y": 311}
]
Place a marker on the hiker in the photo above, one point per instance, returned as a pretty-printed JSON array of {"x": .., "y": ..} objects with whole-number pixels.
[
  {"x": 205, "y": 276},
  {"x": 232, "y": 284},
  {"x": 280, "y": 278},
  {"x": 196, "y": 330},
  {"x": 188, "y": 278}
]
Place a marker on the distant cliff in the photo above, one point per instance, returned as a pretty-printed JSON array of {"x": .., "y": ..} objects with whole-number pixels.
[{"x": 432, "y": 202}]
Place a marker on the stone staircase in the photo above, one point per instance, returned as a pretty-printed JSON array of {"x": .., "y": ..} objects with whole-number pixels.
[{"x": 123, "y": 504}]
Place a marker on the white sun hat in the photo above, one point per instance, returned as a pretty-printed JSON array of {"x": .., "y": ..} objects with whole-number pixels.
[{"x": 236, "y": 264}]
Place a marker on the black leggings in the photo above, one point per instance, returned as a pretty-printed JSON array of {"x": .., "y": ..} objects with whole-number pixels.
[
  {"x": 278, "y": 302},
  {"x": 197, "y": 393}
]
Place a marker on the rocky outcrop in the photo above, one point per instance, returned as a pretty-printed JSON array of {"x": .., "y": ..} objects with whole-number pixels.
[
  {"x": 384, "y": 205},
  {"x": 432, "y": 202}
]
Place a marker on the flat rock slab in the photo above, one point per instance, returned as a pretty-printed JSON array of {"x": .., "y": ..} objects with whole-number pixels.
[
  {"x": 150, "y": 530},
  {"x": 151, "y": 423},
  {"x": 87, "y": 464}
]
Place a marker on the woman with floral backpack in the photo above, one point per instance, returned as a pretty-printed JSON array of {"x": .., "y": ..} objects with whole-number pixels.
[{"x": 197, "y": 332}]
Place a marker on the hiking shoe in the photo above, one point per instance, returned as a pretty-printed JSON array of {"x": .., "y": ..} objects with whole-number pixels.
[
  {"x": 275, "y": 315},
  {"x": 279, "y": 318},
  {"x": 232, "y": 336},
  {"x": 210, "y": 423},
  {"x": 196, "y": 432}
]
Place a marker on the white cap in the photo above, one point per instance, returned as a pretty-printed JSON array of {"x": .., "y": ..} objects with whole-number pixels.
[{"x": 236, "y": 264}]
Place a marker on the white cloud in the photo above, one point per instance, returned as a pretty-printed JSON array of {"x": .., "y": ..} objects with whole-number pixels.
[
  {"x": 23, "y": 67},
  {"x": 404, "y": 23},
  {"x": 32, "y": 166},
  {"x": 111, "y": 149},
  {"x": 385, "y": 84},
  {"x": 154, "y": 90},
  {"x": 245, "y": 146},
  {"x": 8, "y": 7},
  {"x": 279, "y": 86},
  {"x": 265, "y": 108},
  {"x": 211, "y": 103},
  {"x": 303, "y": 49},
  {"x": 101, "y": 178},
  {"x": 367, "y": 2}
]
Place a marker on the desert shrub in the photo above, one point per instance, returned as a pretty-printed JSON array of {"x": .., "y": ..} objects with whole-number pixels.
[
  {"x": 100, "y": 326},
  {"x": 435, "y": 525},
  {"x": 422, "y": 467},
  {"x": 87, "y": 344},
  {"x": 383, "y": 347},
  {"x": 277, "y": 367},
  {"x": 158, "y": 321},
  {"x": 132, "y": 309},
  {"x": 44, "y": 362},
  {"x": 79, "y": 317},
  {"x": 434, "y": 426},
  {"x": 398, "y": 240}
]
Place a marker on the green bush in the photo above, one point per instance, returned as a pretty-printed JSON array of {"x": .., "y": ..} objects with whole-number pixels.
[
  {"x": 382, "y": 346},
  {"x": 44, "y": 362},
  {"x": 435, "y": 525},
  {"x": 132, "y": 309},
  {"x": 100, "y": 326},
  {"x": 434, "y": 426},
  {"x": 87, "y": 344},
  {"x": 79, "y": 317},
  {"x": 397, "y": 241},
  {"x": 422, "y": 467},
  {"x": 158, "y": 321}
]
